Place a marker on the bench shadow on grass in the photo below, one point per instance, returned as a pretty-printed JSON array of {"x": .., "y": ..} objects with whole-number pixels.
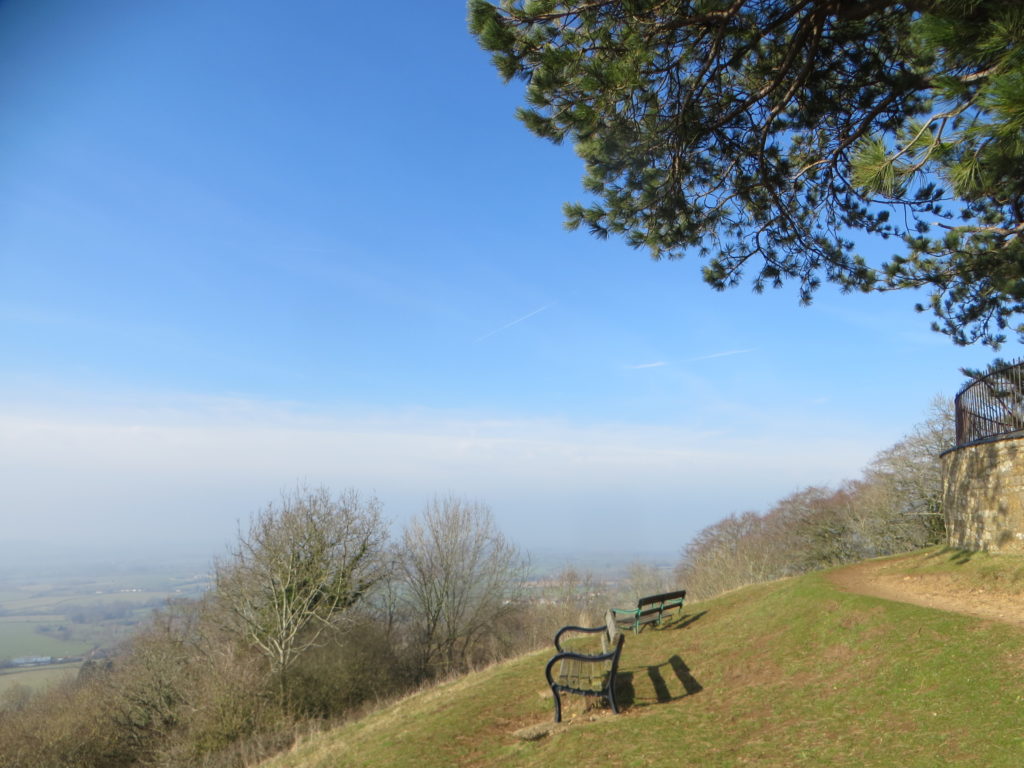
[
  {"x": 682, "y": 621},
  {"x": 674, "y": 672},
  {"x": 664, "y": 677},
  {"x": 954, "y": 555}
]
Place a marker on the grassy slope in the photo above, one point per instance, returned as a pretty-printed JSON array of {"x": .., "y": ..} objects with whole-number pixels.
[{"x": 787, "y": 674}]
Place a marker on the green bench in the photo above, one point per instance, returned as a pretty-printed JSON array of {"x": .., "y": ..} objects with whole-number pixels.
[
  {"x": 649, "y": 610},
  {"x": 586, "y": 674}
]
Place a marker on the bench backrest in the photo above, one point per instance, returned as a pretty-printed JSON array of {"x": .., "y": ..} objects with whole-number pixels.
[
  {"x": 662, "y": 598},
  {"x": 611, "y": 632},
  {"x": 610, "y": 635},
  {"x": 614, "y": 640}
]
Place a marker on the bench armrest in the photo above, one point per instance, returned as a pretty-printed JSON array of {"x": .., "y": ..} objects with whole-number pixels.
[
  {"x": 581, "y": 656},
  {"x": 610, "y": 656},
  {"x": 626, "y": 611},
  {"x": 563, "y": 630}
]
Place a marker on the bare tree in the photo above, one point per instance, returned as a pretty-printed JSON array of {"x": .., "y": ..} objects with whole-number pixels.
[
  {"x": 301, "y": 564},
  {"x": 644, "y": 579},
  {"x": 911, "y": 473},
  {"x": 894, "y": 507},
  {"x": 575, "y": 595},
  {"x": 737, "y": 550},
  {"x": 461, "y": 576}
]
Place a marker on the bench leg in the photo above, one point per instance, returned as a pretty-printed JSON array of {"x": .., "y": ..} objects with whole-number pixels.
[
  {"x": 611, "y": 698},
  {"x": 558, "y": 705}
]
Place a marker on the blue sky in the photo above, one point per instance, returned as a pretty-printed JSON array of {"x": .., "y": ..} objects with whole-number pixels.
[{"x": 249, "y": 244}]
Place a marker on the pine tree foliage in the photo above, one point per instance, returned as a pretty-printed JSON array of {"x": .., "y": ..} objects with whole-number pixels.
[{"x": 765, "y": 136}]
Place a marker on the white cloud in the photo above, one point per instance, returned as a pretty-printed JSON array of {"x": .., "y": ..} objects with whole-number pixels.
[{"x": 189, "y": 471}]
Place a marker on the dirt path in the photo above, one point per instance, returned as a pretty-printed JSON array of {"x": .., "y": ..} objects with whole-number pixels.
[{"x": 875, "y": 578}]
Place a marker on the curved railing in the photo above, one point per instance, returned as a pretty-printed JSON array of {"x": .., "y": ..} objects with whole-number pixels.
[{"x": 991, "y": 405}]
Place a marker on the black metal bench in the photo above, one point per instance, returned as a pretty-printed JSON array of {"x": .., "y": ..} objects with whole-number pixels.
[
  {"x": 586, "y": 674},
  {"x": 649, "y": 610}
]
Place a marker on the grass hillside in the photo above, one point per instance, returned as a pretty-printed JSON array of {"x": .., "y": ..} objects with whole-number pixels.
[{"x": 787, "y": 674}]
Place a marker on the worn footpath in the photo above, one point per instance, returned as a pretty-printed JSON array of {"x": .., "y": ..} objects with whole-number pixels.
[{"x": 878, "y": 579}]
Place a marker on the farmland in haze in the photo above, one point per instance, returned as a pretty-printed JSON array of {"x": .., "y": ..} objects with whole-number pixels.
[{"x": 48, "y": 626}]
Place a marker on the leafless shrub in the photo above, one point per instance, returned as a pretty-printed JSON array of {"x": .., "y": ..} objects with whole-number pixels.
[
  {"x": 299, "y": 568},
  {"x": 894, "y": 507},
  {"x": 70, "y": 726},
  {"x": 460, "y": 577}
]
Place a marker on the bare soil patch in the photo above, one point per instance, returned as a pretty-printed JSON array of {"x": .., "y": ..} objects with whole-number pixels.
[{"x": 881, "y": 578}]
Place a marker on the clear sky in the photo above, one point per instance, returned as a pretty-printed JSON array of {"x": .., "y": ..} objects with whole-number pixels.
[{"x": 250, "y": 244}]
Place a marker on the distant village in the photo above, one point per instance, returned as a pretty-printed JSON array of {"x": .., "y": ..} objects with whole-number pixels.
[{"x": 42, "y": 661}]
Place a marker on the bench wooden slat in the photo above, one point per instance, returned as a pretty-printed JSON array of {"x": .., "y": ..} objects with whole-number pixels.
[{"x": 585, "y": 675}]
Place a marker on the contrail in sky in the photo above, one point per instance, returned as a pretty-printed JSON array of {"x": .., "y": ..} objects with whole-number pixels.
[
  {"x": 646, "y": 365},
  {"x": 515, "y": 322},
  {"x": 720, "y": 354}
]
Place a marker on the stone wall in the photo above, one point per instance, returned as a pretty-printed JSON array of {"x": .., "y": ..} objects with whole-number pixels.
[{"x": 983, "y": 495}]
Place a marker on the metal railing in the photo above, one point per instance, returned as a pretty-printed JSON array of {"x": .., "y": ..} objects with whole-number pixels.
[{"x": 991, "y": 406}]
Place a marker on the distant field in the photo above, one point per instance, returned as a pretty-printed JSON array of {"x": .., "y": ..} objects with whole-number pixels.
[
  {"x": 22, "y": 604},
  {"x": 58, "y": 603},
  {"x": 20, "y": 638},
  {"x": 35, "y": 678},
  {"x": 84, "y": 612},
  {"x": 37, "y": 618}
]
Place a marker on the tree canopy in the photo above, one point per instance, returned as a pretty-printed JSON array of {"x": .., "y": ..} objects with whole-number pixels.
[
  {"x": 299, "y": 568},
  {"x": 769, "y": 136}
]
